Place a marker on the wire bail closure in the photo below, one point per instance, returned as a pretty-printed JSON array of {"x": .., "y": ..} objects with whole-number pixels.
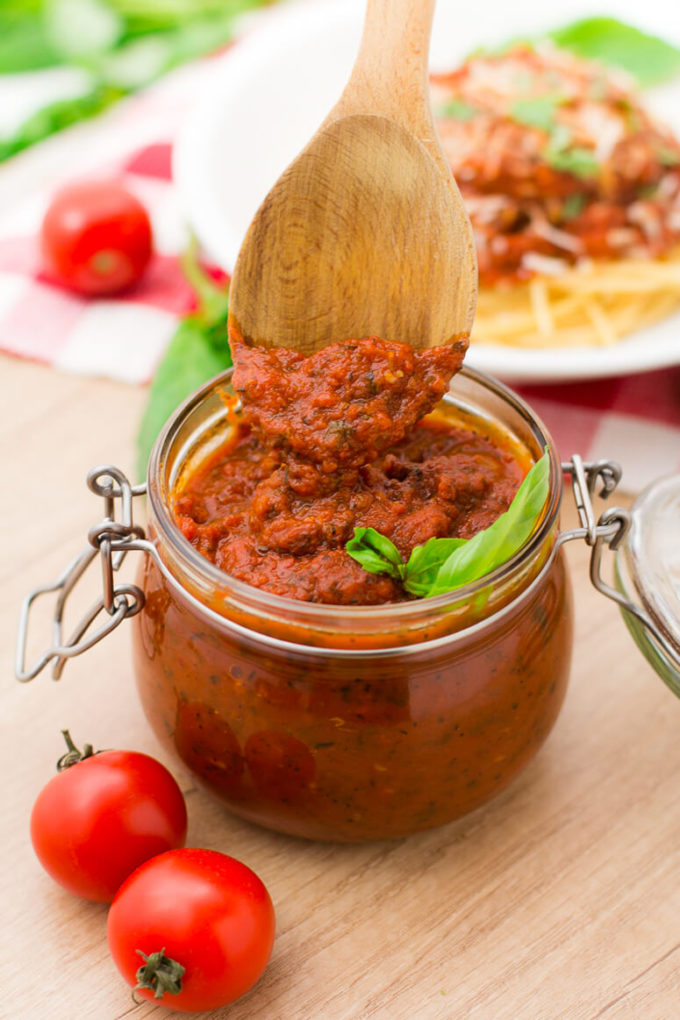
[{"x": 110, "y": 540}]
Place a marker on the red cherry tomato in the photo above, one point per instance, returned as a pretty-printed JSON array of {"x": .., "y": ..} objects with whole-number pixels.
[
  {"x": 193, "y": 928},
  {"x": 103, "y": 816},
  {"x": 96, "y": 238}
]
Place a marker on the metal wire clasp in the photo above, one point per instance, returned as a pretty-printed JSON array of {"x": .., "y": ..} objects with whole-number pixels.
[
  {"x": 610, "y": 529},
  {"x": 612, "y": 526},
  {"x": 110, "y": 540}
]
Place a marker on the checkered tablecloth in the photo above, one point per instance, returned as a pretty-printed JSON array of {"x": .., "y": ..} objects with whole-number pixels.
[
  {"x": 123, "y": 337},
  {"x": 635, "y": 419}
]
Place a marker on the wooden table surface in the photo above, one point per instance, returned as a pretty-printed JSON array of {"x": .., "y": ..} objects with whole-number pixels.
[{"x": 559, "y": 899}]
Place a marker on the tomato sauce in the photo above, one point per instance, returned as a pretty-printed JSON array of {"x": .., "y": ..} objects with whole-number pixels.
[
  {"x": 337, "y": 441},
  {"x": 347, "y": 712}
]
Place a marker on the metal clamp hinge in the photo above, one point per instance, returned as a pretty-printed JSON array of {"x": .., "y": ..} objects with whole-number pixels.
[
  {"x": 604, "y": 475},
  {"x": 109, "y": 541}
]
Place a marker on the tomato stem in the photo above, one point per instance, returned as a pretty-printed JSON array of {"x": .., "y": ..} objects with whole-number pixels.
[
  {"x": 211, "y": 299},
  {"x": 159, "y": 974},
  {"x": 73, "y": 755}
]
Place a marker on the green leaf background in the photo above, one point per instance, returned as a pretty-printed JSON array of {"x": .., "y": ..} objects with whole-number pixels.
[
  {"x": 198, "y": 351},
  {"x": 122, "y": 44}
]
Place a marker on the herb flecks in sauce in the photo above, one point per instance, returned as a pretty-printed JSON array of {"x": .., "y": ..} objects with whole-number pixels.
[
  {"x": 337, "y": 441},
  {"x": 346, "y": 404}
]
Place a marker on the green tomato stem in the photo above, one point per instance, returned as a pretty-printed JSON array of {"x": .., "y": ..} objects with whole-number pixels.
[
  {"x": 159, "y": 974},
  {"x": 73, "y": 755}
]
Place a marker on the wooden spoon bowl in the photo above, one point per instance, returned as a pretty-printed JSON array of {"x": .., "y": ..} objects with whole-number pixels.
[{"x": 365, "y": 233}]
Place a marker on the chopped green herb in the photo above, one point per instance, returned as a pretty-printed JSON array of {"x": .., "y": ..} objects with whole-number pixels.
[
  {"x": 443, "y": 564},
  {"x": 572, "y": 159},
  {"x": 538, "y": 111},
  {"x": 577, "y": 160},
  {"x": 667, "y": 156},
  {"x": 456, "y": 109},
  {"x": 573, "y": 206}
]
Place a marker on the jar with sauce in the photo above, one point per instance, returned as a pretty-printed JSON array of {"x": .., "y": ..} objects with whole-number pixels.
[{"x": 333, "y": 722}]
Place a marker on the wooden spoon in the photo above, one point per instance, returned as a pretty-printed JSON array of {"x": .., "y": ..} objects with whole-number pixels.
[{"x": 365, "y": 233}]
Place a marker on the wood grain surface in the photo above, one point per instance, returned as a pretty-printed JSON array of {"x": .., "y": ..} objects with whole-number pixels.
[
  {"x": 560, "y": 899},
  {"x": 365, "y": 233}
]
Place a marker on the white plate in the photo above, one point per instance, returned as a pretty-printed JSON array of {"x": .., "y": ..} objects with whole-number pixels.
[{"x": 272, "y": 90}]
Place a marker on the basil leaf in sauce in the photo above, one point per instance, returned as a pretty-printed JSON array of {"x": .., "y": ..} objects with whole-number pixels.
[
  {"x": 443, "y": 564},
  {"x": 425, "y": 562},
  {"x": 376, "y": 553},
  {"x": 494, "y": 546}
]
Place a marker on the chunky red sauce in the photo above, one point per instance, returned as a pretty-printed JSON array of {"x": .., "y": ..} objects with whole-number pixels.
[
  {"x": 332, "y": 442},
  {"x": 310, "y": 725}
]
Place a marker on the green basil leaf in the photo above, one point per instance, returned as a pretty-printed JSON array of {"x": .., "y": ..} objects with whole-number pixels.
[
  {"x": 190, "y": 360},
  {"x": 646, "y": 57},
  {"x": 495, "y": 545},
  {"x": 198, "y": 351},
  {"x": 443, "y": 564},
  {"x": 375, "y": 552},
  {"x": 425, "y": 561}
]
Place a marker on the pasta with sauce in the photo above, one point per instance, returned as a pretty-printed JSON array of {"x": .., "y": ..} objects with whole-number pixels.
[{"x": 573, "y": 191}]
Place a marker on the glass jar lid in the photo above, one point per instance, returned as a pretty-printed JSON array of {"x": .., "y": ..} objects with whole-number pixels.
[{"x": 648, "y": 565}]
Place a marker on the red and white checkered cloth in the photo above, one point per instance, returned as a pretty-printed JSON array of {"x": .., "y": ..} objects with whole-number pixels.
[
  {"x": 122, "y": 337},
  {"x": 635, "y": 420}
]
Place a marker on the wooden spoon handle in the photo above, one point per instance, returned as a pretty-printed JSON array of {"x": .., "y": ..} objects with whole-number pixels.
[{"x": 390, "y": 74}]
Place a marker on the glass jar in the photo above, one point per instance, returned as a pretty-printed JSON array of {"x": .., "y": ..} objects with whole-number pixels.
[
  {"x": 648, "y": 572},
  {"x": 349, "y": 723}
]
